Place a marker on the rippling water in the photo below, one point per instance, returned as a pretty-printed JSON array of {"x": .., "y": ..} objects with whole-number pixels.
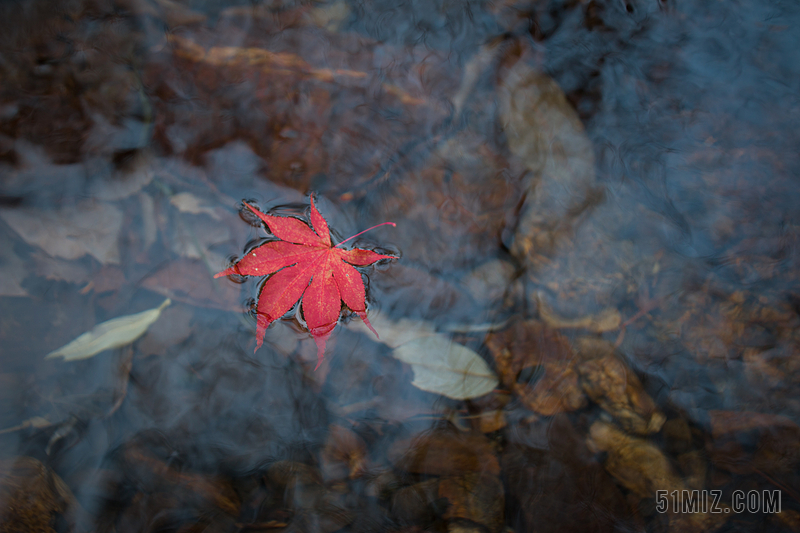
[{"x": 567, "y": 179}]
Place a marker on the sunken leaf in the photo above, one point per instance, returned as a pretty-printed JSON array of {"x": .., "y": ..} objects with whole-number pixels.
[
  {"x": 110, "y": 334},
  {"x": 70, "y": 232},
  {"x": 445, "y": 367}
]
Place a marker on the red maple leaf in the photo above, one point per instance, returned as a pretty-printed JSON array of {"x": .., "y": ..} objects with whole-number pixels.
[{"x": 305, "y": 264}]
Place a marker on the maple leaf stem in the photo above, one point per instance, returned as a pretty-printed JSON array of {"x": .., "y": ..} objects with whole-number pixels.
[{"x": 362, "y": 232}]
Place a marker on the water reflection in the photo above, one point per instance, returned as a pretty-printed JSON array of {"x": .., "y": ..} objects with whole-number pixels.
[{"x": 598, "y": 199}]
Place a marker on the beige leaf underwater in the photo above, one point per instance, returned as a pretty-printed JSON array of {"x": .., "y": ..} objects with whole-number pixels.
[
  {"x": 37, "y": 422},
  {"x": 445, "y": 367},
  {"x": 110, "y": 334},
  {"x": 12, "y": 273},
  {"x": 187, "y": 202},
  {"x": 395, "y": 333},
  {"x": 72, "y": 231}
]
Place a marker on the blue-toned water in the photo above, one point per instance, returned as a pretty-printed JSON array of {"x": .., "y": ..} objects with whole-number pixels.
[{"x": 631, "y": 162}]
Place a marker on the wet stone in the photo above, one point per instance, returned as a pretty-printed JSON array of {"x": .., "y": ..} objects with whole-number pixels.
[
  {"x": 608, "y": 381},
  {"x": 192, "y": 490},
  {"x": 554, "y": 484},
  {"x": 636, "y": 463},
  {"x": 539, "y": 366},
  {"x": 746, "y": 442},
  {"x": 677, "y": 435},
  {"x": 344, "y": 455},
  {"x": 543, "y": 130},
  {"x": 33, "y": 497},
  {"x": 417, "y": 503},
  {"x": 445, "y": 453},
  {"x": 642, "y": 468},
  {"x": 474, "y": 497},
  {"x": 300, "y": 484}
]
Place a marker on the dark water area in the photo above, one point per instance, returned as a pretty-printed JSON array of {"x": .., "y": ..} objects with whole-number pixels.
[{"x": 591, "y": 318}]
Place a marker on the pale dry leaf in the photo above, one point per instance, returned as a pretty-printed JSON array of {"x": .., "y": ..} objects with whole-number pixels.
[
  {"x": 440, "y": 365},
  {"x": 137, "y": 172},
  {"x": 149, "y": 227},
  {"x": 187, "y": 202},
  {"x": 172, "y": 328},
  {"x": 70, "y": 232},
  {"x": 194, "y": 235},
  {"x": 110, "y": 334},
  {"x": 445, "y": 367},
  {"x": 12, "y": 272},
  {"x": 476, "y": 67},
  {"x": 37, "y": 422},
  {"x": 56, "y": 269},
  {"x": 190, "y": 282},
  {"x": 395, "y": 333},
  {"x": 331, "y": 16},
  {"x": 176, "y": 14}
]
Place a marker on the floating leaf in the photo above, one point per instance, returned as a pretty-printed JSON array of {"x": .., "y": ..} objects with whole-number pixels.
[
  {"x": 110, "y": 334},
  {"x": 446, "y": 367},
  {"x": 304, "y": 263}
]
